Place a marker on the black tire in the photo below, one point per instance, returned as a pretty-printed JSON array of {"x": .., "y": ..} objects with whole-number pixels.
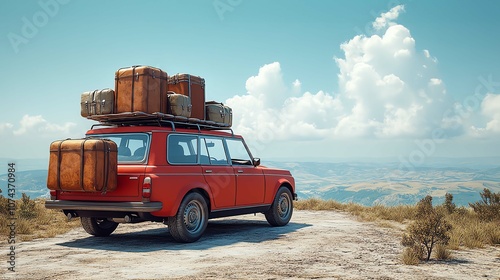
[
  {"x": 98, "y": 227},
  {"x": 191, "y": 220},
  {"x": 281, "y": 210}
]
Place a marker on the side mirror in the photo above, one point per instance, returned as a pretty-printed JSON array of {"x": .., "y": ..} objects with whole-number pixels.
[{"x": 256, "y": 162}]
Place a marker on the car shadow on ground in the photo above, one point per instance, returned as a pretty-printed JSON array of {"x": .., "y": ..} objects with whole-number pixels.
[{"x": 218, "y": 233}]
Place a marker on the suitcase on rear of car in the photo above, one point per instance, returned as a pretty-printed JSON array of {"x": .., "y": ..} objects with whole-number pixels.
[
  {"x": 219, "y": 113},
  {"x": 192, "y": 86},
  {"x": 85, "y": 165},
  {"x": 178, "y": 104},
  {"x": 140, "y": 88},
  {"x": 97, "y": 102}
]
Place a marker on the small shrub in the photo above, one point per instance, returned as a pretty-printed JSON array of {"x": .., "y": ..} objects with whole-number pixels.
[
  {"x": 411, "y": 256},
  {"x": 441, "y": 252},
  {"x": 24, "y": 227},
  {"x": 429, "y": 229},
  {"x": 448, "y": 203},
  {"x": 4, "y": 206},
  {"x": 488, "y": 208},
  {"x": 492, "y": 233},
  {"x": 27, "y": 207}
]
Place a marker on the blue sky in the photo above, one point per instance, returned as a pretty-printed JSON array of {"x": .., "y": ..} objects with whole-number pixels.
[{"x": 329, "y": 80}]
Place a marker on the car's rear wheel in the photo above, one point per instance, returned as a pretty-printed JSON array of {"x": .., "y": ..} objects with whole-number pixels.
[
  {"x": 191, "y": 220},
  {"x": 97, "y": 226},
  {"x": 281, "y": 210}
]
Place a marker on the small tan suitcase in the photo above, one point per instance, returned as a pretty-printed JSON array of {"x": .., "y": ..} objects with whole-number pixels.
[
  {"x": 178, "y": 104},
  {"x": 86, "y": 165},
  {"x": 219, "y": 113},
  {"x": 140, "y": 88},
  {"x": 97, "y": 102}
]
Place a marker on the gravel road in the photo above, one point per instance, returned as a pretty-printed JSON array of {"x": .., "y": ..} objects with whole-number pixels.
[{"x": 315, "y": 245}]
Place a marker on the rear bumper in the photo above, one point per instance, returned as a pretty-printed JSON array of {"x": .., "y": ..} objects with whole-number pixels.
[{"x": 104, "y": 206}]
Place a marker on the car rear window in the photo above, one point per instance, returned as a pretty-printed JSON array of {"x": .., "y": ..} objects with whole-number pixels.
[{"x": 132, "y": 147}]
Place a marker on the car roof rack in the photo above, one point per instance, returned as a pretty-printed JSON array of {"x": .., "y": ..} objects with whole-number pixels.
[{"x": 156, "y": 119}]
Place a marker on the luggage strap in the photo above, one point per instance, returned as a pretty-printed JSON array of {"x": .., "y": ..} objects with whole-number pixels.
[
  {"x": 59, "y": 159},
  {"x": 82, "y": 162},
  {"x": 93, "y": 104},
  {"x": 133, "y": 92},
  {"x": 106, "y": 167}
]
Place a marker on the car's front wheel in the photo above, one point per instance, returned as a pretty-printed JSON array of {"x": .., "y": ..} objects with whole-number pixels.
[
  {"x": 97, "y": 226},
  {"x": 281, "y": 210},
  {"x": 191, "y": 219}
]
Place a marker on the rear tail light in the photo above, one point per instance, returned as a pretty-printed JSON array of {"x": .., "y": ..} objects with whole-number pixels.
[
  {"x": 53, "y": 195},
  {"x": 146, "y": 187}
]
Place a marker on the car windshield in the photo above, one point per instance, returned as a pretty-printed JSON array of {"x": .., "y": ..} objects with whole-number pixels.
[{"x": 132, "y": 147}]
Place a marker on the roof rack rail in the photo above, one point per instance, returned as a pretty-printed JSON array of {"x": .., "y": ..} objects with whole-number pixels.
[{"x": 156, "y": 119}]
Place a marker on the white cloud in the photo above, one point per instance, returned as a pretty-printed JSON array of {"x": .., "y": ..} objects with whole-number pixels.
[
  {"x": 5, "y": 126},
  {"x": 297, "y": 87},
  {"x": 268, "y": 111},
  {"x": 490, "y": 109},
  {"x": 387, "y": 89},
  {"x": 386, "y": 19},
  {"x": 37, "y": 125},
  {"x": 268, "y": 85},
  {"x": 435, "y": 82},
  {"x": 392, "y": 88}
]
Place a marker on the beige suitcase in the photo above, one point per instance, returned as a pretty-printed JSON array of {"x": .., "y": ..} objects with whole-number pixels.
[
  {"x": 178, "y": 104},
  {"x": 85, "y": 165},
  {"x": 97, "y": 102},
  {"x": 219, "y": 113}
]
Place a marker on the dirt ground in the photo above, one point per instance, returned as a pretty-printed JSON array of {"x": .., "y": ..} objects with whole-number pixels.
[{"x": 315, "y": 245}]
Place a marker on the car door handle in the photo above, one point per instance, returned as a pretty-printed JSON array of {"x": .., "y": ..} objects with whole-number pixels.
[
  {"x": 208, "y": 171},
  {"x": 240, "y": 171}
]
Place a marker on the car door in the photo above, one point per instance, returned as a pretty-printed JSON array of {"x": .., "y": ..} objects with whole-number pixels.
[
  {"x": 218, "y": 173},
  {"x": 250, "y": 182}
]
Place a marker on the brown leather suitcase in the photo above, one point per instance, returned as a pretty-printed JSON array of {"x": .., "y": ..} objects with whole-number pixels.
[
  {"x": 192, "y": 86},
  {"x": 86, "y": 165},
  {"x": 219, "y": 113},
  {"x": 140, "y": 88},
  {"x": 178, "y": 104},
  {"x": 97, "y": 102}
]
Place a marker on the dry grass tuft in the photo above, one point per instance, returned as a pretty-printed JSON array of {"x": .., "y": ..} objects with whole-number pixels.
[
  {"x": 318, "y": 204},
  {"x": 441, "y": 252},
  {"x": 468, "y": 229},
  {"x": 410, "y": 256},
  {"x": 399, "y": 213},
  {"x": 33, "y": 220}
]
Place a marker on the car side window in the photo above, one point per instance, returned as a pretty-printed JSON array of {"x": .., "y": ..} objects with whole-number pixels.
[
  {"x": 214, "y": 151},
  {"x": 238, "y": 152},
  {"x": 182, "y": 149},
  {"x": 204, "y": 158}
]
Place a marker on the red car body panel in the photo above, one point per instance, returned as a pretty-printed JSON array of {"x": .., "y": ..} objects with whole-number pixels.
[{"x": 225, "y": 186}]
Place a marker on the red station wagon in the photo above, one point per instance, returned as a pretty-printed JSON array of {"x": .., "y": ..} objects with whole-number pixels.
[{"x": 182, "y": 176}]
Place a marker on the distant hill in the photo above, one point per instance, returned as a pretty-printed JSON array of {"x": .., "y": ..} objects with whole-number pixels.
[
  {"x": 387, "y": 184},
  {"x": 25, "y": 164},
  {"x": 359, "y": 182},
  {"x": 32, "y": 182}
]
